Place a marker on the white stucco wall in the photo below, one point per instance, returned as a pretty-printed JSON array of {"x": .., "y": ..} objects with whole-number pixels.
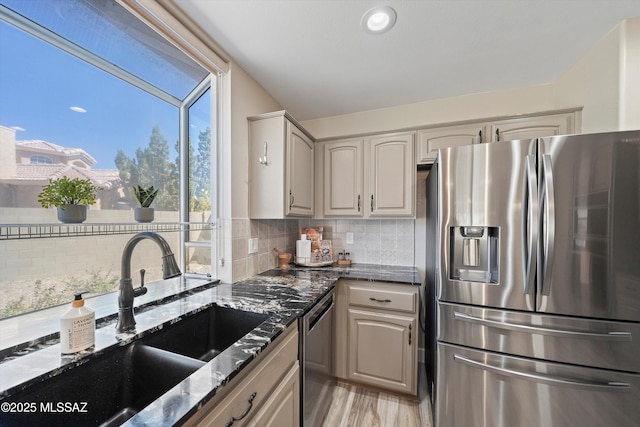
[
  {"x": 240, "y": 97},
  {"x": 593, "y": 82},
  {"x": 248, "y": 98},
  {"x": 7, "y": 152},
  {"x": 470, "y": 107},
  {"x": 606, "y": 81},
  {"x": 630, "y": 79}
]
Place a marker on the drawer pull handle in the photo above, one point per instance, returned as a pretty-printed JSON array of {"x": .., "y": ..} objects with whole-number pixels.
[
  {"x": 545, "y": 379},
  {"x": 530, "y": 329},
  {"x": 379, "y": 300},
  {"x": 245, "y": 413},
  {"x": 409, "y": 334}
]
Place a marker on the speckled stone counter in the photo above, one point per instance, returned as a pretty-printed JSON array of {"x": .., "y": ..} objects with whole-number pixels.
[
  {"x": 283, "y": 295},
  {"x": 370, "y": 272}
]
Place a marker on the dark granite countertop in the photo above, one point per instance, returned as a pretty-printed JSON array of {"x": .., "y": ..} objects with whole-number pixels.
[
  {"x": 370, "y": 272},
  {"x": 283, "y": 295}
]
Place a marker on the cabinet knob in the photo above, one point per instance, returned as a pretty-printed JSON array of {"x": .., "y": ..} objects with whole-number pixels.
[
  {"x": 497, "y": 134},
  {"x": 480, "y": 137}
]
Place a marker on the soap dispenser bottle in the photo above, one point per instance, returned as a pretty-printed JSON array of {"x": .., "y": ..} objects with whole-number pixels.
[{"x": 77, "y": 327}]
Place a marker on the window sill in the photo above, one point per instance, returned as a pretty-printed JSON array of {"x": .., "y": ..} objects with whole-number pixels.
[{"x": 28, "y": 332}]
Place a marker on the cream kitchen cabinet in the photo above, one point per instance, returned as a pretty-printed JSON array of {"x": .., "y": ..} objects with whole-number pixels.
[
  {"x": 283, "y": 407},
  {"x": 391, "y": 176},
  {"x": 377, "y": 335},
  {"x": 343, "y": 177},
  {"x": 532, "y": 127},
  {"x": 369, "y": 177},
  {"x": 281, "y": 167},
  {"x": 429, "y": 140},
  {"x": 265, "y": 393}
]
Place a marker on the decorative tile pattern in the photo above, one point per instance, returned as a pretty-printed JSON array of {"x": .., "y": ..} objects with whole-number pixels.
[{"x": 375, "y": 241}]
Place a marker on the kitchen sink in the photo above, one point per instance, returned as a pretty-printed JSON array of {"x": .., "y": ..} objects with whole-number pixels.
[
  {"x": 204, "y": 335},
  {"x": 116, "y": 385},
  {"x": 105, "y": 391}
]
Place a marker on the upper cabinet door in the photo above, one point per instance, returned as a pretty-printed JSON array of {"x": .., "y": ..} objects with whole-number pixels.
[
  {"x": 532, "y": 127},
  {"x": 300, "y": 173},
  {"x": 343, "y": 190},
  {"x": 281, "y": 168},
  {"x": 391, "y": 175},
  {"x": 430, "y": 140}
]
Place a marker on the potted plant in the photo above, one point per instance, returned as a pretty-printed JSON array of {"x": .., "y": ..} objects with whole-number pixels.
[
  {"x": 145, "y": 197},
  {"x": 72, "y": 197}
]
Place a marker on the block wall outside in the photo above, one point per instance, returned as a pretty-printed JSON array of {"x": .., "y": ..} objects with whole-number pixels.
[{"x": 64, "y": 257}]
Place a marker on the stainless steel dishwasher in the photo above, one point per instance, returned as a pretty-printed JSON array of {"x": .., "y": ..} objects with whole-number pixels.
[{"x": 316, "y": 356}]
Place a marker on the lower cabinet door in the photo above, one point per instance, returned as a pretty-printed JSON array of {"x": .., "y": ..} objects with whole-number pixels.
[
  {"x": 283, "y": 407},
  {"x": 382, "y": 350}
]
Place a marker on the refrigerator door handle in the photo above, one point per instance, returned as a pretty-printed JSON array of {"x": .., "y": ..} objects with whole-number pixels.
[
  {"x": 545, "y": 379},
  {"x": 529, "y": 223},
  {"x": 566, "y": 333},
  {"x": 547, "y": 221}
]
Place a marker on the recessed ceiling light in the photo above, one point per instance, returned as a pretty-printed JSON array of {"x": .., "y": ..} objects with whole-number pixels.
[{"x": 379, "y": 19}]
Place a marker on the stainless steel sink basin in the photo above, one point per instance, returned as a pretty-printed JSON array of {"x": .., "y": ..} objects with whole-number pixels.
[
  {"x": 116, "y": 385},
  {"x": 204, "y": 335},
  {"x": 108, "y": 390}
]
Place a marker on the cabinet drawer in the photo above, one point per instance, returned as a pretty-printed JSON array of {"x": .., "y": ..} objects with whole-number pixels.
[
  {"x": 384, "y": 298},
  {"x": 261, "y": 380}
]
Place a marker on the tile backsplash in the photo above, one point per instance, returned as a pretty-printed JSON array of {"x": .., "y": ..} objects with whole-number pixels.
[
  {"x": 375, "y": 241},
  {"x": 271, "y": 233}
]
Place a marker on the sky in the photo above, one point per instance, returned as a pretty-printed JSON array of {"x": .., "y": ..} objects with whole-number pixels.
[{"x": 50, "y": 95}]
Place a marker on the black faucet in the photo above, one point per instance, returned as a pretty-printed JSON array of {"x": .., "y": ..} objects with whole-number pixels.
[{"x": 170, "y": 268}]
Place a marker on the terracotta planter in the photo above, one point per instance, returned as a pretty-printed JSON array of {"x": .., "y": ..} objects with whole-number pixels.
[
  {"x": 143, "y": 214},
  {"x": 72, "y": 214},
  {"x": 283, "y": 261}
]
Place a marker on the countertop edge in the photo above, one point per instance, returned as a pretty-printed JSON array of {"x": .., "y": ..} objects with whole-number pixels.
[{"x": 284, "y": 295}]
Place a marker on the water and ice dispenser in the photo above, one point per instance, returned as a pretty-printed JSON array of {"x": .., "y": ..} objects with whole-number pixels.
[{"x": 474, "y": 254}]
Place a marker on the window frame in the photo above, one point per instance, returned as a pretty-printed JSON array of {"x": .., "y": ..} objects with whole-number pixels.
[
  {"x": 210, "y": 82},
  {"x": 40, "y": 159}
]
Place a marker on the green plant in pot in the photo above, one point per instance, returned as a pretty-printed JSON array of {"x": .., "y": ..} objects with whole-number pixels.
[
  {"x": 145, "y": 196},
  {"x": 72, "y": 197}
]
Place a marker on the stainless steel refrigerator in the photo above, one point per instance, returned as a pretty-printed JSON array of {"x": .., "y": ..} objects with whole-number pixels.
[{"x": 538, "y": 282}]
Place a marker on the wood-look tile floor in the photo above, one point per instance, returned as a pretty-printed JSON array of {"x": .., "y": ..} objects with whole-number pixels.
[{"x": 355, "y": 406}]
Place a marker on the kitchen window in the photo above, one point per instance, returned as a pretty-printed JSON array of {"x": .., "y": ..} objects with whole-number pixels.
[{"x": 100, "y": 95}]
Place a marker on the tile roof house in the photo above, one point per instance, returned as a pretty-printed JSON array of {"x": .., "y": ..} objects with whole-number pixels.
[{"x": 26, "y": 166}]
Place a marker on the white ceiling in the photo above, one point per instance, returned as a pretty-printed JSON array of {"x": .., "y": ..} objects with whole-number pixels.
[{"x": 313, "y": 57}]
